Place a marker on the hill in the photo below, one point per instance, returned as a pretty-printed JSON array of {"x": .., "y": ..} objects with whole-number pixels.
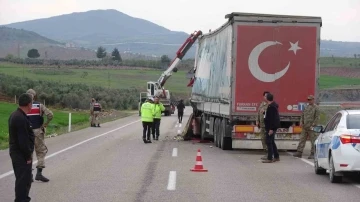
[
  {"x": 11, "y": 35},
  {"x": 109, "y": 28},
  {"x": 330, "y": 48},
  {"x": 18, "y": 41}
]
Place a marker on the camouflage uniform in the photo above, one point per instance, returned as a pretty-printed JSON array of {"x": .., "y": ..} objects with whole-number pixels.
[
  {"x": 309, "y": 118},
  {"x": 39, "y": 128},
  {"x": 95, "y": 109},
  {"x": 260, "y": 120}
]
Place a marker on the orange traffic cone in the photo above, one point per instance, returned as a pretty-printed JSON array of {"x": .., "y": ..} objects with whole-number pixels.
[{"x": 198, "y": 165}]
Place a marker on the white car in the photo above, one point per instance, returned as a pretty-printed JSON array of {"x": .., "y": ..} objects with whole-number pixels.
[{"x": 337, "y": 148}]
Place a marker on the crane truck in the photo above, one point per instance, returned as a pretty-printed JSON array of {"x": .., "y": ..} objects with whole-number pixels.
[
  {"x": 235, "y": 64},
  {"x": 157, "y": 88}
]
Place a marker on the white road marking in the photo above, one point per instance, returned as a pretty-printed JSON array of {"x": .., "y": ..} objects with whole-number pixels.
[
  {"x": 174, "y": 152},
  {"x": 178, "y": 132},
  {"x": 304, "y": 160},
  {"x": 180, "y": 125},
  {"x": 172, "y": 181},
  {"x": 176, "y": 125},
  {"x": 75, "y": 145},
  {"x": 312, "y": 164}
]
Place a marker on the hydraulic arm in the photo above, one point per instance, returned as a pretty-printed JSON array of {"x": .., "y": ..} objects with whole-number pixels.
[{"x": 179, "y": 55}]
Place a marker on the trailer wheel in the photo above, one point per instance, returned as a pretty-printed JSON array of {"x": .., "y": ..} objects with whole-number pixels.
[
  {"x": 203, "y": 127},
  {"x": 226, "y": 142}
]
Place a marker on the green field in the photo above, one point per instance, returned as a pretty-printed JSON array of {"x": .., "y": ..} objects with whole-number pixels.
[
  {"x": 113, "y": 78},
  {"x": 58, "y": 125},
  {"x": 327, "y": 82},
  {"x": 124, "y": 78},
  {"x": 339, "y": 62}
]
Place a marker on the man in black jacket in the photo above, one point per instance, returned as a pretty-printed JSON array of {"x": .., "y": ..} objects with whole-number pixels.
[
  {"x": 21, "y": 147},
  {"x": 272, "y": 123},
  {"x": 180, "y": 108}
]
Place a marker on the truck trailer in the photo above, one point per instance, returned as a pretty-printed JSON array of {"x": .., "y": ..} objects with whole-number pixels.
[{"x": 236, "y": 63}]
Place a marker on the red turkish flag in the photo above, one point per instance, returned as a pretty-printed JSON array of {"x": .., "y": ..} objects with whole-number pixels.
[{"x": 280, "y": 59}]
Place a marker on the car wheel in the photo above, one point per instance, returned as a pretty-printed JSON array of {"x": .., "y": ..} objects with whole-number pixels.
[
  {"x": 318, "y": 170},
  {"x": 333, "y": 178}
]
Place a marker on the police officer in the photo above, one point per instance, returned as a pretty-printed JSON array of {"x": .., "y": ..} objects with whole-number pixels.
[
  {"x": 147, "y": 117},
  {"x": 309, "y": 118},
  {"x": 260, "y": 122},
  {"x": 158, "y": 108},
  {"x": 21, "y": 147},
  {"x": 95, "y": 112},
  {"x": 39, "y": 127}
]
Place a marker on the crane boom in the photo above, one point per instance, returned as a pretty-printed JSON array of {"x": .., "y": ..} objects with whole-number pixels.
[{"x": 179, "y": 56}]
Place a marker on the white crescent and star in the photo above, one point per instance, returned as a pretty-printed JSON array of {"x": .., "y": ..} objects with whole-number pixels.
[{"x": 255, "y": 68}]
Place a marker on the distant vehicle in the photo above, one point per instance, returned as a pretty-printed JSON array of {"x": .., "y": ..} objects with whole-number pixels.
[
  {"x": 337, "y": 148},
  {"x": 157, "y": 88}
]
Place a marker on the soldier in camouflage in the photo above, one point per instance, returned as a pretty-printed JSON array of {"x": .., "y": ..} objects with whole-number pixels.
[
  {"x": 260, "y": 122},
  {"x": 309, "y": 118},
  {"x": 39, "y": 127},
  {"x": 95, "y": 109}
]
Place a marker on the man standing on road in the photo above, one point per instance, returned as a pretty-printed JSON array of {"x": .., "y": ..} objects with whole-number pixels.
[
  {"x": 21, "y": 147},
  {"x": 272, "y": 123},
  {"x": 158, "y": 108},
  {"x": 39, "y": 127},
  {"x": 309, "y": 118},
  {"x": 180, "y": 108},
  {"x": 260, "y": 122},
  {"x": 95, "y": 109},
  {"x": 147, "y": 118}
]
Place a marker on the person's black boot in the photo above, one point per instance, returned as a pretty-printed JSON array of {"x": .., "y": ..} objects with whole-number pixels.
[{"x": 40, "y": 177}]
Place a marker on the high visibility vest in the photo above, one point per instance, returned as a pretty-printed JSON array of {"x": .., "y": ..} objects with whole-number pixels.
[
  {"x": 35, "y": 115},
  {"x": 147, "y": 112}
]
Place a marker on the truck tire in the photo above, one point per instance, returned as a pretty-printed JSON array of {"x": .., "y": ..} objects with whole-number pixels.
[
  {"x": 225, "y": 142},
  {"x": 203, "y": 132}
]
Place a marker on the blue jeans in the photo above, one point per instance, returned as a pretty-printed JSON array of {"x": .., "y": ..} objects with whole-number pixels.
[{"x": 271, "y": 146}]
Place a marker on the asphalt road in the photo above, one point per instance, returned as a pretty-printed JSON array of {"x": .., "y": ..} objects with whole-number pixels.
[{"x": 113, "y": 164}]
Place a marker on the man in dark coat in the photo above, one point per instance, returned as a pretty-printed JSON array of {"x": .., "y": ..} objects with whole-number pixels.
[
  {"x": 21, "y": 147},
  {"x": 180, "y": 108},
  {"x": 272, "y": 123}
]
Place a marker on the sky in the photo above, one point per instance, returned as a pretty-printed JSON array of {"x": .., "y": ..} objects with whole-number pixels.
[{"x": 341, "y": 19}]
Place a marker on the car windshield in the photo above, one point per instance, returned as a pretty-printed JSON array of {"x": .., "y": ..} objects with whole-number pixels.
[{"x": 353, "y": 121}]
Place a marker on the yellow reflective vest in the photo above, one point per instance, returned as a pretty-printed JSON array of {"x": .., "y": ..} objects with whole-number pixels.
[
  {"x": 147, "y": 112},
  {"x": 159, "y": 108}
]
